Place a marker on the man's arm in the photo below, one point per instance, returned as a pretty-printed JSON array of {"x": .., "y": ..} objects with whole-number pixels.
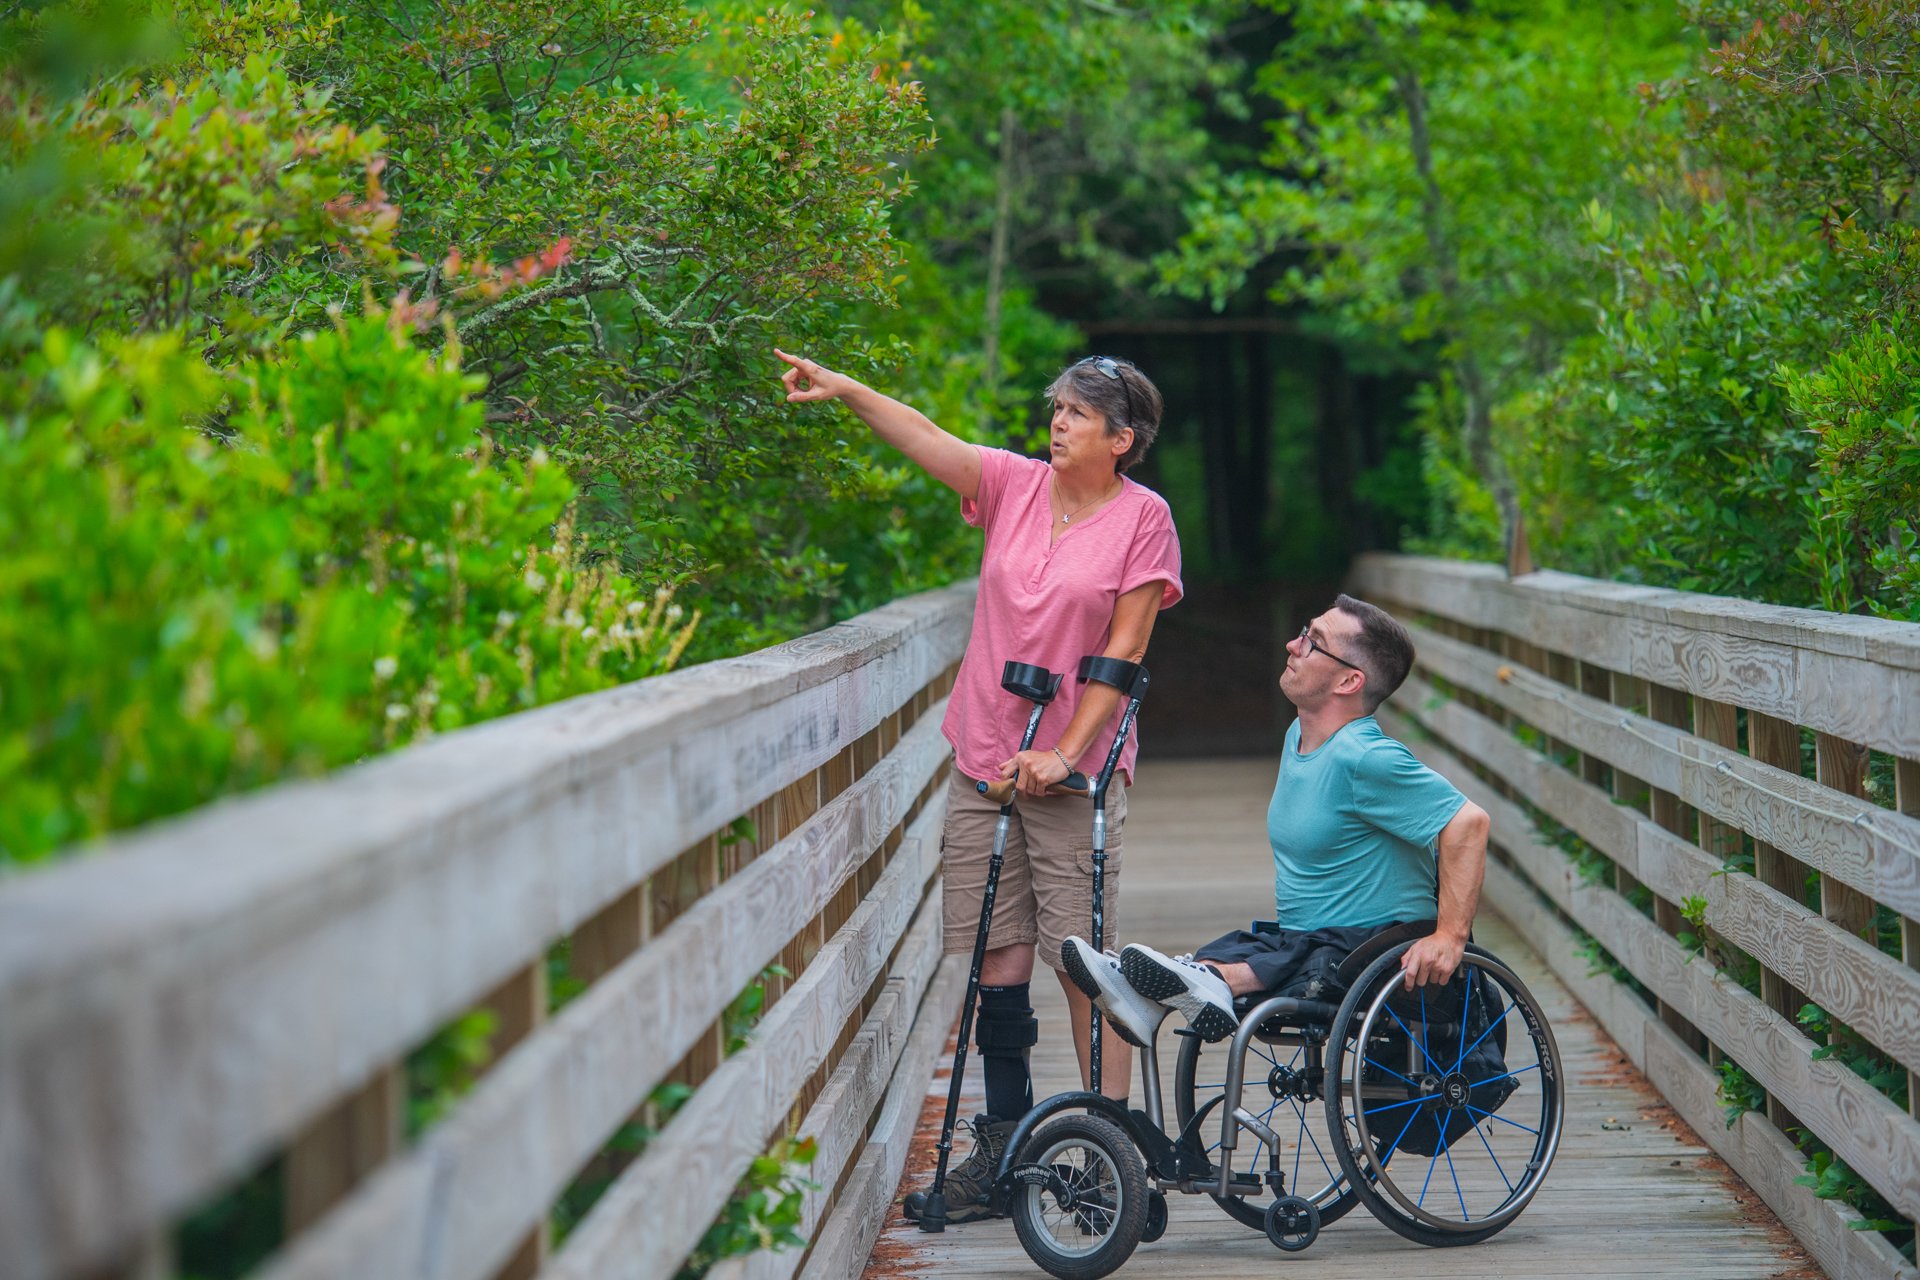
[{"x": 1463, "y": 865}]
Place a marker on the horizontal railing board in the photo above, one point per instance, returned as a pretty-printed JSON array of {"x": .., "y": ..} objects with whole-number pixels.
[
  {"x": 1873, "y": 849},
  {"x": 218, "y": 979},
  {"x": 472, "y": 1188},
  {"x": 1874, "y": 1137},
  {"x": 1490, "y": 597},
  {"x": 658, "y": 1208},
  {"x": 1751, "y": 1146},
  {"x": 1872, "y": 992},
  {"x": 839, "y": 1119},
  {"x": 1857, "y": 678},
  {"x": 841, "y": 1248}
]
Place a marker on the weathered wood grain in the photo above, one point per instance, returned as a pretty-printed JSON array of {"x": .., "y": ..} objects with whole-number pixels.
[
  {"x": 1878, "y": 1140},
  {"x": 493, "y": 1168},
  {"x": 656, "y": 1211},
  {"x": 1875, "y": 850},
  {"x": 1752, "y": 1146},
  {"x": 1857, "y": 678},
  {"x": 221, "y": 979},
  {"x": 840, "y": 1250},
  {"x": 1861, "y": 985}
]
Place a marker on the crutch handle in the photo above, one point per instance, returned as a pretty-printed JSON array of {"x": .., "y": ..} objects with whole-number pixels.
[{"x": 1074, "y": 784}]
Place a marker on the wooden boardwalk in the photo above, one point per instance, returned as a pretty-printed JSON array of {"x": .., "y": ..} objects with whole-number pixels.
[{"x": 1633, "y": 1192}]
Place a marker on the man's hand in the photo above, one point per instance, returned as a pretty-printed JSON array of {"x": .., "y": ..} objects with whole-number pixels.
[
  {"x": 1432, "y": 959},
  {"x": 1037, "y": 770}
]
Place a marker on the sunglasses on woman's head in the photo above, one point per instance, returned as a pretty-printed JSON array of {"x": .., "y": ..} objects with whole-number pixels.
[{"x": 1111, "y": 368}]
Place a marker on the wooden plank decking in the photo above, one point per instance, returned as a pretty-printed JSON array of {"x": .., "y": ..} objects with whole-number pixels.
[{"x": 1632, "y": 1193}]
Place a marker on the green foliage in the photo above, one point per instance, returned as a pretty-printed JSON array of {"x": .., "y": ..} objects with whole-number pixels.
[
  {"x": 217, "y": 581},
  {"x": 764, "y": 1211},
  {"x": 446, "y": 1067},
  {"x": 1833, "y": 1179},
  {"x": 1844, "y": 1046},
  {"x": 743, "y": 1012},
  {"x": 1659, "y": 277},
  {"x": 1738, "y": 1092}
]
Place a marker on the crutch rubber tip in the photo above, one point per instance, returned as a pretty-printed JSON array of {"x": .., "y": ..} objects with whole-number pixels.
[{"x": 933, "y": 1214}]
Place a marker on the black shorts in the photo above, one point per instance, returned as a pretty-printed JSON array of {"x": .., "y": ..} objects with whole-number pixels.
[{"x": 1290, "y": 964}]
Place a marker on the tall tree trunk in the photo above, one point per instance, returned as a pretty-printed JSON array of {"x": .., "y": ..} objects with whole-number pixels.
[
  {"x": 997, "y": 250},
  {"x": 1468, "y": 372}
]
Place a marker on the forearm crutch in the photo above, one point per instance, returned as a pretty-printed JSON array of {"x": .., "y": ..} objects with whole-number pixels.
[
  {"x": 1038, "y": 686},
  {"x": 1131, "y": 679}
]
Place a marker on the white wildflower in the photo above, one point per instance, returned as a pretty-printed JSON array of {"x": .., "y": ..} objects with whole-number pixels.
[{"x": 386, "y": 668}]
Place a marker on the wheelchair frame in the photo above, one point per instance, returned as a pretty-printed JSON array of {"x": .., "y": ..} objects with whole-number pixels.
[{"x": 1370, "y": 1020}]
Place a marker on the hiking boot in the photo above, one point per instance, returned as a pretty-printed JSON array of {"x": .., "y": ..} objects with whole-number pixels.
[
  {"x": 1133, "y": 1017},
  {"x": 969, "y": 1186},
  {"x": 1192, "y": 988}
]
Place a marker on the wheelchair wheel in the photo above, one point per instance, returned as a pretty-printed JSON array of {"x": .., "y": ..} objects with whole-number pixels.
[
  {"x": 1084, "y": 1220},
  {"x": 1456, "y": 1099},
  {"x": 1280, "y": 1090}
]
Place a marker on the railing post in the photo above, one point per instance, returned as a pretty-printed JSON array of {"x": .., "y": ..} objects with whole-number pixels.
[{"x": 1906, "y": 786}]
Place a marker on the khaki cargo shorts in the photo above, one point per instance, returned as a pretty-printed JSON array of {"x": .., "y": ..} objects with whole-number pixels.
[{"x": 1046, "y": 879}]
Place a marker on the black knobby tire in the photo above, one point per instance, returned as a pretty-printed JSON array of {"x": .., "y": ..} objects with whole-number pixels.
[
  {"x": 1396, "y": 1182},
  {"x": 1333, "y": 1199},
  {"x": 1083, "y": 1243}
]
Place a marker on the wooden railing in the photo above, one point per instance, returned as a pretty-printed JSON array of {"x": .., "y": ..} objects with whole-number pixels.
[
  {"x": 1738, "y": 803},
  {"x": 240, "y": 990}
]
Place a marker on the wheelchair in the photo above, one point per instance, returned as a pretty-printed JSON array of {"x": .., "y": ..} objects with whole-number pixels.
[{"x": 1439, "y": 1109}]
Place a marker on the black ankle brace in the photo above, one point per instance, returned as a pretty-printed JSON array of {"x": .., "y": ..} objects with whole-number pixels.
[{"x": 1005, "y": 1031}]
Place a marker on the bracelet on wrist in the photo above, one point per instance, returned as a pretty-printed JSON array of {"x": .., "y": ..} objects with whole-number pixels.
[{"x": 1062, "y": 759}]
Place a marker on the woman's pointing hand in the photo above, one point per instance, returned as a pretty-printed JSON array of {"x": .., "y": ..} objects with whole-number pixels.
[{"x": 807, "y": 380}]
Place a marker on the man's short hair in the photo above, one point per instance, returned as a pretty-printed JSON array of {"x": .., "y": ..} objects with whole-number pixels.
[{"x": 1384, "y": 649}]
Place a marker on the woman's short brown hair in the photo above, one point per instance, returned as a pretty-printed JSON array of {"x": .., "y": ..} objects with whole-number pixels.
[{"x": 1120, "y": 393}]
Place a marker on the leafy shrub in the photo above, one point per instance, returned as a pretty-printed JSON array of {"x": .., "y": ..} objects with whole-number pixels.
[{"x": 214, "y": 581}]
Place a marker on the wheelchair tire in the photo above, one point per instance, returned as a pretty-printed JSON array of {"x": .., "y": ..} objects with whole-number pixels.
[
  {"x": 1315, "y": 1174},
  {"x": 1448, "y": 1158},
  {"x": 1093, "y": 1234}
]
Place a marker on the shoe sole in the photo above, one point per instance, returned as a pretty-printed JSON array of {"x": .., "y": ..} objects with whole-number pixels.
[
  {"x": 1081, "y": 977},
  {"x": 1157, "y": 981}
]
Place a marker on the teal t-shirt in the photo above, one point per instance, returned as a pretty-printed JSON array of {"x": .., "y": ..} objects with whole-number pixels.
[{"x": 1353, "y": 826}]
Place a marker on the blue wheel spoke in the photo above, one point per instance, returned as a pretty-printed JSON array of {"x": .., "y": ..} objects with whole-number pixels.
[
  {"x": 1410, "y": 1036},
  {"x": 1458, "y": 1194},
  {"x": 1475, "y": 1084},
  {"x": 1395, "y": 1106},
  {"x": 1459, "y": 1061},
  {"x": 1432, "y": 1164},
  {"x": 1496, "y": 1159},
  {"x": 1390, "y": 1071},
  {"x": 1395, "y": 1146},
  {"x": 1324, "y": 1166},
  {"x": 1502, "y": 1119}
]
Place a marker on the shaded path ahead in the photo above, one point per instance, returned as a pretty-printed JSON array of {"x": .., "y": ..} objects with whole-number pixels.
[{"x": 1633, "y": 1192}]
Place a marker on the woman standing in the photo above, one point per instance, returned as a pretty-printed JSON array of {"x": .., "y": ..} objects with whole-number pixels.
[{"x": 1078, "y": 560}]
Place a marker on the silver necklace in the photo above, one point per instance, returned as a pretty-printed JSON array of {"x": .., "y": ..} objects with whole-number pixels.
[{"x": 1067, "y": 518}]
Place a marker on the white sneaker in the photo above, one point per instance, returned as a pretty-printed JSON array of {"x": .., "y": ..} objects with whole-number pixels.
[
  {"x": 1193, "y": 989},
  {"x": 1097, "y": 973}
]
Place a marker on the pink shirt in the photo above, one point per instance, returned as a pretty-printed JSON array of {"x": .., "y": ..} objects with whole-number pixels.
[{"x": 1049, "y": 605}]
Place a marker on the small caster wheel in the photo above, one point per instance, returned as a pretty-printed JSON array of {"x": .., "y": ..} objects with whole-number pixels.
[
  {"x": 1156, "y": 1217},
  {"x": 1292, "y": 1223}
]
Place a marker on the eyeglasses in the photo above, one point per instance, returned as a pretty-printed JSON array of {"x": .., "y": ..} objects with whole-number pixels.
[
  {"x": 1312, "y": 647},
  {"x": 1111, "y": 368}
]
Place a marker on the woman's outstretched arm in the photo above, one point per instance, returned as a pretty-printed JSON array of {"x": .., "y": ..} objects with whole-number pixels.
[{"x": 942, "y": 455}]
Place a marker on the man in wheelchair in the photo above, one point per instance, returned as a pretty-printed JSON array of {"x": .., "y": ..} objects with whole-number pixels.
[
  {"x": 1437, "y": 1080},
  {"x": 1365, "y": 839}
]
